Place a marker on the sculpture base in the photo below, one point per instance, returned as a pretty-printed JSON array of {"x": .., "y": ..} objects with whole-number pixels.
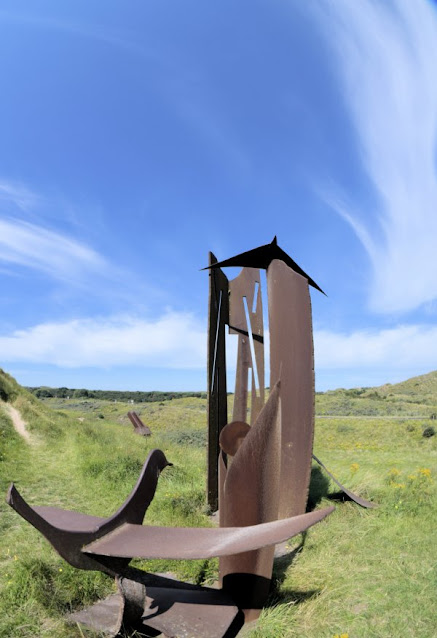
[{"x": 178, "y": 611}]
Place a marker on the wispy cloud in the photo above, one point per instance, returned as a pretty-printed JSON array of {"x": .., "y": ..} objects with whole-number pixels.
[
  {"x": 175, "y": 340},
  {"x": 385, "y": 53},
  {"x": 53, "y": 253},
  {"x": 402, "y": 348},
  {"x": 17, "y": 195},
  {"x": 102, "y": 33}
]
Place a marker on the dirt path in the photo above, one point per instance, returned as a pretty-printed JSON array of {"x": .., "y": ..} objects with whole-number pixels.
[{"x": 17, "y": 421}]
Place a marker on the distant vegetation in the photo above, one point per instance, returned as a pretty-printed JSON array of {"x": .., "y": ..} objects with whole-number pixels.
[
  {"x": 362, "y": 574},
  {"x": 416, "y": 397},
  {"x": 44, "y": 392}
]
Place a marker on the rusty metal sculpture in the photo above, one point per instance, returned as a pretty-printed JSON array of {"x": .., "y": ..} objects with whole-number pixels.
[
  {"x": 139, "y": 427},
  {"x": 291, "y": 360},
  {"x": 280, "y": 433},
  {"x": 146, "y": 601},
  {"x": 259, "y": 466}
]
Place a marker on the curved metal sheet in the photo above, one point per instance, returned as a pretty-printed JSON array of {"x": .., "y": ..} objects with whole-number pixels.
[
  {"x": 291, "y": 360},
  {"x": 251, "y": 496},
  {"x": 146, "y": 541},
  {"x": 358, "y": 499},
  {"x": 232, "y": 435},
  {"x": 68, "y": 531}
]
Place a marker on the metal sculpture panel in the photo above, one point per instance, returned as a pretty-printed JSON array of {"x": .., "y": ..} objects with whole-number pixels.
[
  {"x": 250, "y": 497},
  {"x": 291, "y": 360},
  {"x": 218, "y": 311},
  {"x": 139, "y": 427},
  {"x": 246, "y": 320}
]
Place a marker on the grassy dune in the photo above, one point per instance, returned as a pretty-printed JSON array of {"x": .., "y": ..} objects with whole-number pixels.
[{"x": 360, "y": 573}]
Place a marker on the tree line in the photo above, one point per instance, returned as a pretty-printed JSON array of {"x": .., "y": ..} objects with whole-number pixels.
[{"x": 44, "y": 392}]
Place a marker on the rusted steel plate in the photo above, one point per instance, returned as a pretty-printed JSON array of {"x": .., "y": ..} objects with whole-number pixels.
[
  {"x": 358, "y": 499},
  {"x": 69, "y": 531},
  {"x": 291, "y": 360},
  {"x": 232, "y": 435},
  {"x": 251, "y": 496},
  {"x": 139, "y": 426},
  {"x": 246, "y": 320},
  {"x": 257, "y": 325},
  {"x": 103, "y": 617},
  {"x": 222, "y": 473},
  {"x": 192, "y": 614},
  {"x": 244, "y": 364},
  {"x": 218, "y": 317},
  {"x": 147, "y": 541},
  {"x": 148, "y": 603}
]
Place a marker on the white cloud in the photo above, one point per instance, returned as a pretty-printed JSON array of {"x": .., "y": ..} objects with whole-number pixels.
[
  {"x": 178, "y": 340},
  {"x": 403, "y": 347},
  {"x": 18, "y": 195},
  {"x": 386, "y": 55},
  {"x": 175, "y": 340},
  {"x": 51, "y": 252}
]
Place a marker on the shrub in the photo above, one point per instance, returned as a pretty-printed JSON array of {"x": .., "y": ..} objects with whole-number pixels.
[{"x": 428, "y": 432}]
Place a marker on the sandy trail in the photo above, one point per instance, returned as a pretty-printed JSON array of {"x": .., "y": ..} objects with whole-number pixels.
[{"x": 17, "y": 421}]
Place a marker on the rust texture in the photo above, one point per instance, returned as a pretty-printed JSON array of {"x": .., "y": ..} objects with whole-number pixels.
[
  {"x": 218, "y": 313},
  {"x": 246, "y": 320},
  {"x": 139, "y": 426},
  {"x": 69, "y": 531},
  {"x": 291, "y": 360},
  {"x": 251, "y": 496}
]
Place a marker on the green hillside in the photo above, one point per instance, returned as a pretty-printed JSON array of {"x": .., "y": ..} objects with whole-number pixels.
[
  {"x": 360, "y": 573},
  {"x": 10, "y": 390},
  {"x": 421, "y": 389},
  {"x": 416, "y": 397}
]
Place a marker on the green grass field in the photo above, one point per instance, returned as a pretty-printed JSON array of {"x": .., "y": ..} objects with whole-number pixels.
[{"x": 360, "y": 573}]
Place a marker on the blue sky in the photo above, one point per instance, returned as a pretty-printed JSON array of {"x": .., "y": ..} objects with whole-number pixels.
[{"x": 137, "y": 136}]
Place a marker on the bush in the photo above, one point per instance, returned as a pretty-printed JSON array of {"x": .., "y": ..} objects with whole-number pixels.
[{"x": 428, "y": 432}]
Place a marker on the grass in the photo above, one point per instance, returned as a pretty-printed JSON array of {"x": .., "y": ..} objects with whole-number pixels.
[{"x": 361, "y": 573}]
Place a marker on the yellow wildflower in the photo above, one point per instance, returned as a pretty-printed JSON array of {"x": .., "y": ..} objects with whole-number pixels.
[
  {"x": 425, "y": 471},
  {"x": 355, "y": 467}
]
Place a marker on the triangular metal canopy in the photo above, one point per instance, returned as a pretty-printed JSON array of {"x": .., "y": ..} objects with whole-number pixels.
[{"x": 262, "y": 257}]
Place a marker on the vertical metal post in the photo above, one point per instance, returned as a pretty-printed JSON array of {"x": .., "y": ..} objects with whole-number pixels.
[{"x": 218, "y": 317}]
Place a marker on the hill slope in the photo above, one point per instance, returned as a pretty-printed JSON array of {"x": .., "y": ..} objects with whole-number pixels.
[
  {"x": 422, "y": 388},
  {"x": 415, "y": 397}
]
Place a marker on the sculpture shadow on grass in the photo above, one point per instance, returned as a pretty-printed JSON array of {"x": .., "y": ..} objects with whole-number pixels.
[{"x": 318, "y": 490}]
